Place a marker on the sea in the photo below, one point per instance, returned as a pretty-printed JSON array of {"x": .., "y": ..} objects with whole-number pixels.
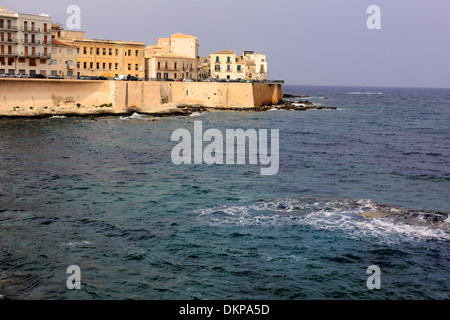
[{"x": 361, "y": 188}]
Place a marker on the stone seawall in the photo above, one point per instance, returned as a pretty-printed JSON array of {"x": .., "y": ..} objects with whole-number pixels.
[{"x": 32, "y": 97}]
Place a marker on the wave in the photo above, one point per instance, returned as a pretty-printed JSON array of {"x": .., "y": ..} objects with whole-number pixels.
[
  {"x": 134, "y": 116},
  {"x": 356, "y": 219},
  {"x": 198, "y": 114},
  {"x": 58, "y": 117}
]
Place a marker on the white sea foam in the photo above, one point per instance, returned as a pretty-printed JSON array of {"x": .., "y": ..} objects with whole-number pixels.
[
  {"x": 338, "y": 215},
  {"x": 58, "y": 117},
  {"x": 77, "y": 243},
  {"x": 134, "y": 116},
  {"x": 198, "y": 114}
]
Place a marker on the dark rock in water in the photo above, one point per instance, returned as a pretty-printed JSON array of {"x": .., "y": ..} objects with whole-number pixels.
[{"x": 291, "y": 96}]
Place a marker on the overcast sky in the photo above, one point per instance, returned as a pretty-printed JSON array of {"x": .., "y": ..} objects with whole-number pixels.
[{"x": 307, "y": 42}]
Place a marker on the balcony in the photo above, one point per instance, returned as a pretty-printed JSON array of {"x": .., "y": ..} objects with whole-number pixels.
[
  {"x": 9, "y": 28},
  {"x": 27, "y": 29},
  {"x": 30, "y": 41},
  {"x": 13, "y": 41},
  {"x": 35, "y": 55},
  {"x": 167, "y": 69},
  {"x": 9, "y": 54}
]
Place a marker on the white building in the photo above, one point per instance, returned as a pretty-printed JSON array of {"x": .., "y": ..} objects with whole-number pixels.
[
  {"x": 260, "y": 65},
  {"x": 25, "y": 43}
]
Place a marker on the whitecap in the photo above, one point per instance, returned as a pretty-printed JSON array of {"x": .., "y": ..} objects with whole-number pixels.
[
  {"x": 134, "y": 116},
  {"x": 345, "y": 216}
]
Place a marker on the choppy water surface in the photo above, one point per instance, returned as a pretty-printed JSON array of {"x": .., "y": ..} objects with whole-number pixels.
[{"x": 367, "y": 184}]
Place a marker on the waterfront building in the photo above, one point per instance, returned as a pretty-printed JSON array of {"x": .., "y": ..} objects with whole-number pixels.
[
  {"x": 224, "y": 65},
  {"x": 204, "y": 70},
  {"x": 184, "y": 45},
  {"x": 249, "y": 66},
  {"x": 107, "y": 58},
  {"x": 173, "y": 58},
  {"x": 64, "y": 59},
  {"x": 171, "y": 66},
  {"x": 256, "y": 65},
  {"x": 25, "y": 43}
]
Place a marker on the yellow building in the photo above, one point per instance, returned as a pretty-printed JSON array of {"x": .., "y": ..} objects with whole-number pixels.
[
  {"x": 107, "y": 58},
  {"x": 185, "y": 45},
  {"x": 163, "y": 46}
]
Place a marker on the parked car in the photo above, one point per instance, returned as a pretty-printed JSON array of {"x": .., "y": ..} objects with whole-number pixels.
[
  {"x": 23, "y": 76},
  {"x": 100, "y": 78},
  {"x": 56, "y": 77},
  {"x": 188, "y": 80},
  {"x": 85, "y": 78},
  {"x": 121, "y": 78},
  {"x": 39, "y": 76},
  {"x": 168, "y": 79},
  {"x": 8, "y": 75},
  {"x": 132, "y": 78}
]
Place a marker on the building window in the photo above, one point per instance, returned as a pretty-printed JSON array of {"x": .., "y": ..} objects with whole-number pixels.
[
  {"x": 104, "y": 66},
  {"x": 84, "y": 50},
  {"x": 117, "y": 66},
  {"x": 91, "y": 65},
  {"x": 228, "y": 68},
  {"x": 92, "y": 51},
  {"x": 98, "y": 51},
  {"x": 175, "y": 66},
  {"x": 174, "y": 75},
  {"x": 166, "y": 75},
  {"x": 159, "y": 65},
  {"x": 239, "y": 68},
  {"x": 217, "y": 67},
  {"x": 217, "y": 59},
  {"x": 110, "y": 66},
  {"x": 228, "y": 59},
  {"x": 85, "y": 65},
  {"x": 158, "y": 75},
  {"x": 110, "y": 52},
  {"x": 137, "y": 53},
  {"x": 104, "y": 51},
  {"x": 98, "y": 65},
  {"x": 117, "y": 52},
  {"x": 137, "y": 67},
  {"x": 129, "y": 53},
  {"x": 129, "y": 66}
]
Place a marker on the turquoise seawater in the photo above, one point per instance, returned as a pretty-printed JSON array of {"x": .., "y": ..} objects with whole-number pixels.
[{"x": 104, "y": 194}]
